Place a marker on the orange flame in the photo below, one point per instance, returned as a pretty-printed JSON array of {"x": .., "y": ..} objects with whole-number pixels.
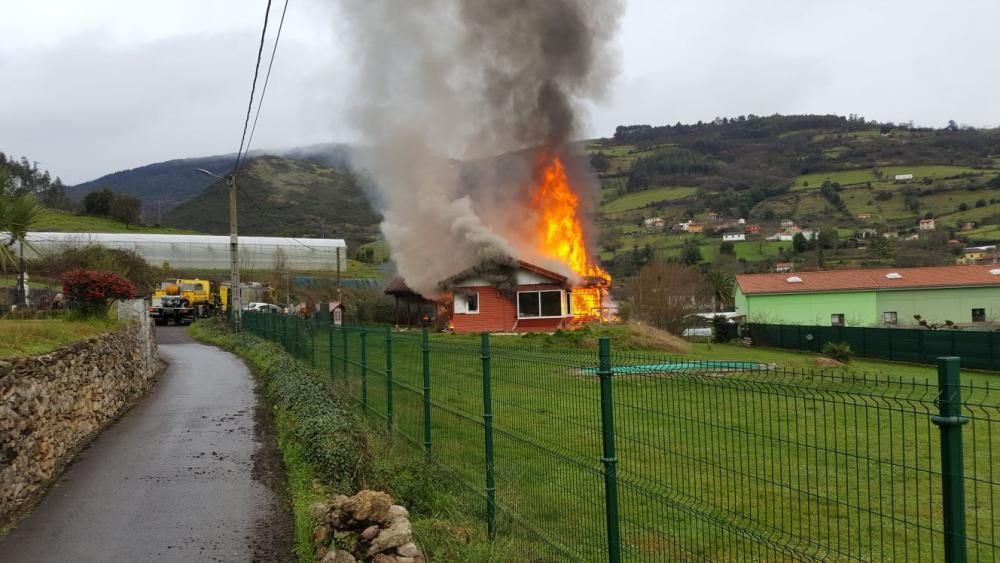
[{"x": 560, "y": 236}]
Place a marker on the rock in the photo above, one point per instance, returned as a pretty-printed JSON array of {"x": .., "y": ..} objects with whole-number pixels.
[
  {"x": 320, "y": 512},
  {"x": 827, "y": 362},
  {"x": 371, "y": 506},
  {"x": 408, "y": 550},
  {"x": 320, "y": 534},
  {"x": 369, "y": 533},
  {"x": 395, "y": 511},
  {"x": 338, "y": 556},
  {"x": 397, "y": 534},
  {"x": 401, "y": 559},
  {"x": 383, "y": 558}
]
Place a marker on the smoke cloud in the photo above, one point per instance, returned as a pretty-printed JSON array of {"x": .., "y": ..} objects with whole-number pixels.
[{"x": 444, "y": 81}]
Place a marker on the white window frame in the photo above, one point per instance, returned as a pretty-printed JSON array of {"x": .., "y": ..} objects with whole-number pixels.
[
  {"x": 974, "y": 309},
  {"x": 894, "y": 314},
  {"x": 843, "y": 319},
  {"x": 465, "y": 304},
  {"x": 562, "y": 306}
]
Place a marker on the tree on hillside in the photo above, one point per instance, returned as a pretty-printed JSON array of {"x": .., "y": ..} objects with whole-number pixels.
[
  {"x": 799, "y": 243},
  {"x": 98, "y": 203},
  {"x": 125, "y": 208},
  {"x": 691, "y": 252},
  {"x": 727, "y": 247}
]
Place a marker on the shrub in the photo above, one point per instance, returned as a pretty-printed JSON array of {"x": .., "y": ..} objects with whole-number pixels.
[
  {"x": 122, "y": 262},
  {"x": 92, "y": 292},
  {"x": 840, "y": 351}
]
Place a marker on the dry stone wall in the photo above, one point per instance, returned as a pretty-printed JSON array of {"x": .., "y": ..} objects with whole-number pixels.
[{"x": 53, "y": 405}]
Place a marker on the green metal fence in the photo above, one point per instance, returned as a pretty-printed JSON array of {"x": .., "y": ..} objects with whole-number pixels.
[
  {"x": 978, "y": 349},
  {"x": 606, "y": 455}
]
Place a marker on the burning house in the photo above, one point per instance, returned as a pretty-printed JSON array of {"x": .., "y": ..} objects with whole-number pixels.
[{"x": 471, "y": 118}]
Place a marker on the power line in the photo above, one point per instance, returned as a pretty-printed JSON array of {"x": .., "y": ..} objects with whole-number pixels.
[
  {"x": 253, "y": 88},
  {"x": 267, "y": 77}
]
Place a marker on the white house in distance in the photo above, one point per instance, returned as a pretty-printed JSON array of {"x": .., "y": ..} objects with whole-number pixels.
[
  {"x": 654, "y": 222},
  {"x": 734, "y": 237},
  {"x": 903, "y": 177},
  {"x": 927, "y": 224}
]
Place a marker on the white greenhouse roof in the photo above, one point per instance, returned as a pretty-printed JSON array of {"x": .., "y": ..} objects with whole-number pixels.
[{"x": 205, "y": 251}]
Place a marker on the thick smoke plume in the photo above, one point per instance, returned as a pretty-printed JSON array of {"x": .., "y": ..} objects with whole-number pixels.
[{"x": 445, "y": 81}]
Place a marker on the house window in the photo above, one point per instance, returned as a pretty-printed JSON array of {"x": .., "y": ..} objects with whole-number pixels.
[
  {"x": 889, "y": 318},
  {"x": 535, "y": 304},
  {"x": 837, "y": 319},
  {"x": 467, "y": 303},
  {"x": 979, "y": 315}
]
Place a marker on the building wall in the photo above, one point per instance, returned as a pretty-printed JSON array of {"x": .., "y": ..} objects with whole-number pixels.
[
  {"x": 865, "y": 308},
  {"x": 938, "y": 305},
  {"x": 858, "y": 308},
  {"x": 498, "y": 313}
]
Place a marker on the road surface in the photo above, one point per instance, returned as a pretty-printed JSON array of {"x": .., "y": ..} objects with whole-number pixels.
[{"x": 190, "y": 474}]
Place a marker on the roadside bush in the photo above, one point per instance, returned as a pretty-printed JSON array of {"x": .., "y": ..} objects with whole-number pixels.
[
  {"x": 124, "y": 263},
  {"x": 92, "y": 292},
  {"x": 840, "y": 351}
]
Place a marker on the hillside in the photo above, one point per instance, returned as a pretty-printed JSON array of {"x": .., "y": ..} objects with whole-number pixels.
[
  {"x": 826, "y": 173},
  {"x": 56, "y": 221},
  {"x": 284, "y": 197},
  {"x": 164, "y": 185}
]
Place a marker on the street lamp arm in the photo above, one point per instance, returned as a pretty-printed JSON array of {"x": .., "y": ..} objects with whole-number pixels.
[{"x": 212, "y": 174}]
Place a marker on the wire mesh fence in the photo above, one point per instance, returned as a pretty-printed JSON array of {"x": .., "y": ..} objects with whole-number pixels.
[{"x": 631, "y": 456}]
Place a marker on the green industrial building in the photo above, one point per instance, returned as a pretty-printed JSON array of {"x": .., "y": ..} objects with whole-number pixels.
[{"x": 969, "y": 296}]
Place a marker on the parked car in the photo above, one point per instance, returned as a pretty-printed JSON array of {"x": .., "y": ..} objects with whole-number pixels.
[{"x": 264, "y": 308}]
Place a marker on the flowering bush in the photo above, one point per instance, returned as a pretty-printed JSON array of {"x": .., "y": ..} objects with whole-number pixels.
[{"x": 93, "y": 291}]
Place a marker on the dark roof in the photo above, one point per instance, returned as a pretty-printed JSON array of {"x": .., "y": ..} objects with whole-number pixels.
[
  {"x": 868, "y": 280},
  {"x": 398, "y": 287},
  {"x": 473, "y": 272}
]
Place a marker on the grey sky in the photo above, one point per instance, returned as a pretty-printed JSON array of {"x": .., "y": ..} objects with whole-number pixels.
[{"x": 87, "y": 88}]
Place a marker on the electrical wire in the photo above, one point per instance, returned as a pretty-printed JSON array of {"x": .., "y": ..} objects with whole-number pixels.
[
  {"x": 253, "y": 88},
  {"x": 267, "y": 76}
]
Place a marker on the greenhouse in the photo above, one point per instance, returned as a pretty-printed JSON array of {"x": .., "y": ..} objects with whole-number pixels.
[{"x": 204, "y": 251}]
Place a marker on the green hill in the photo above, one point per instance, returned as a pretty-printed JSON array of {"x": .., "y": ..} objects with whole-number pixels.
[
  {"x": 831, "y": 173},
  {"x": 64, "y": 222},
  {"x": 284, "y": 197}
]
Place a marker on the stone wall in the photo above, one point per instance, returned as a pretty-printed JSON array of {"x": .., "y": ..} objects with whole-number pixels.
[{"x": 53, "y": 405}]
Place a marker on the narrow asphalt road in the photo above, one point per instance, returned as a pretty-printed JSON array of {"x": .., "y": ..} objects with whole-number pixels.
[{"x": 190, "y": 474}]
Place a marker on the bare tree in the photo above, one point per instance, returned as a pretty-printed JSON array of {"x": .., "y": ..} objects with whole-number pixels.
[{"x": 667, "y": 294}]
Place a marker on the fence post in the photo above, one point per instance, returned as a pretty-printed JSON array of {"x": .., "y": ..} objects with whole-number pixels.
[
  {"x": 950, "y": 421},
  {"x": 388, "y": 378},
  {"x": 343, "y": 331},
  {"x": 329, "y": 345},
  {"x": 491, "y": 485},
  {"x": 311, "y": 329},
  {"x": 608, "y": 458},
  {"x": 425, "y": 351},
  {"x": 364, "y": 370}
]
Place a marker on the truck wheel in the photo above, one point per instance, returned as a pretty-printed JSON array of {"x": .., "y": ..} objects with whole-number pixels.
[{"x": 159, "y": 322}]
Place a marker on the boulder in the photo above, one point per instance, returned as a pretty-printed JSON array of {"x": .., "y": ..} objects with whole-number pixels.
[{"x": 827, "y": 362}]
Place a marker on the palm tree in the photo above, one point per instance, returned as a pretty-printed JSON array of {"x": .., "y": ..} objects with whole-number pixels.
[
  {"x": 720, "y": 285},
  {"x": 17, "y": 215}
]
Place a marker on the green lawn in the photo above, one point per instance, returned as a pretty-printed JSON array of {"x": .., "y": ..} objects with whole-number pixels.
[
  {"x": 33, "y": 337},
  {"x": 711, "y": 466},
  {"x": 62, "y": 221},
  {"x": 641, "y": 199},
  {"x": 863, "y": 175}
]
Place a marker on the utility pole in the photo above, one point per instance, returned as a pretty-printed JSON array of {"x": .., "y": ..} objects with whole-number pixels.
[
  {"x": 235, "y": 301},
  {"x": 235, "y": 296}
]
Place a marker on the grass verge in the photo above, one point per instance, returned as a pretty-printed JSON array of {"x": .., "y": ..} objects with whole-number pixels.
[
  {"x": 30, "y": 337},
  {"x": 328, "y": 449}
]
